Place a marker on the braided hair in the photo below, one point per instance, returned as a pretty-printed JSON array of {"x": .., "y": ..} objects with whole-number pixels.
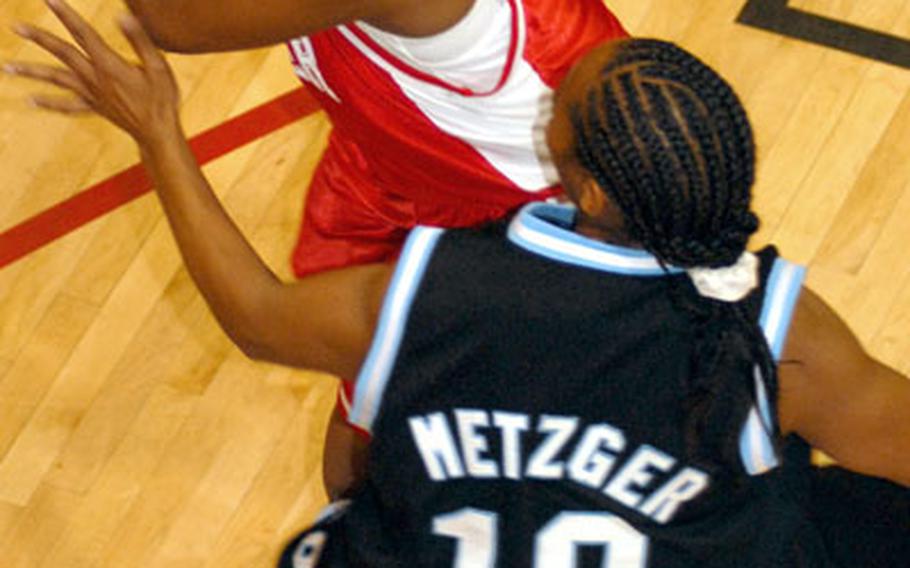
[{"x": 669, "y": 142}]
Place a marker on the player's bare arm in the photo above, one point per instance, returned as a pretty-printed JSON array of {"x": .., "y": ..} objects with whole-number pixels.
[
  {"x": 842, "y": 400},
  {"x": 223, "y": 25},
  {"x": 323, "y": 322}
]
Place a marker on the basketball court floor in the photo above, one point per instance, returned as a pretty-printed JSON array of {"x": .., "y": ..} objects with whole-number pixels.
[{"x": 132, "y": 433}]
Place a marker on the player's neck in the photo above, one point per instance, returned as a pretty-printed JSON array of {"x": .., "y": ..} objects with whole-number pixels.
[{"x": 600, "y": 230}]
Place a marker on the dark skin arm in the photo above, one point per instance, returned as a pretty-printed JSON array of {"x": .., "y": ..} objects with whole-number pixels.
[
  {"x": 841, "y": 400},
  {"x": 345, "y": 463},
  {"x": 322, "y": 322},
  {"x": 196, "y": 26}
]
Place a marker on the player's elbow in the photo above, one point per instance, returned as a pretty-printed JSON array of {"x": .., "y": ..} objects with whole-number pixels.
[
  {"x": 252, "y": 343},
  {"x": 253, "y": 349},
  {"x": 244, "y": 327}
]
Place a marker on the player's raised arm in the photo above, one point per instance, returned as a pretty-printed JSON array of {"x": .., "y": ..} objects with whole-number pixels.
[
  {"x": 323, "y": 322},
  {"x": 222, "y": 25},
  {"x": 842, "y": 400}
]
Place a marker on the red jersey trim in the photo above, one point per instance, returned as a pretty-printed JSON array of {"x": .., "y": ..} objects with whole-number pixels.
[
  {"x": 343, "y": 407},
  {"x": 427, "y": 78}
]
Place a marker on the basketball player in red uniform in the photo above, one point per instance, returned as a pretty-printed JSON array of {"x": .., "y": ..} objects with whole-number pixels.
[
  {"x": 436, "y": 106},
  {"x": 437, "y": 109}
]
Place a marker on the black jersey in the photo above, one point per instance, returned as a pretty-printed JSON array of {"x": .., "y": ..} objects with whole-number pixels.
[{"x": 524, "y": 395}]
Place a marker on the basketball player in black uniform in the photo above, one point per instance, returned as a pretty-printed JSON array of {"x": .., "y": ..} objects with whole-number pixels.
[{"x": 581, "y": 386}]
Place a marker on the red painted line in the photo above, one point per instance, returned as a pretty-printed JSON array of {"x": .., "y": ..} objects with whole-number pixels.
[{"x": 133, "y": 182}]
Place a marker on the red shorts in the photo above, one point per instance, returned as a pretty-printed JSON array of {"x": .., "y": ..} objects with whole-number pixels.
[
  {"x": 349, "y": 220},
  {"x": 341, "y": 226}
]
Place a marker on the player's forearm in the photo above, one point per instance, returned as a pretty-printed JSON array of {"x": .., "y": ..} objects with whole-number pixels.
[
  {"x": 204, "y": 26},
  {"x": 201, "y": 26},
  {"x": 228, "y": 272},
  {"x": 198, "y": 26}
]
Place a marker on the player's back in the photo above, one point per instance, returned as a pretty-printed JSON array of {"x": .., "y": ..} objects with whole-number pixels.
[{"x": 526, "y": 397}]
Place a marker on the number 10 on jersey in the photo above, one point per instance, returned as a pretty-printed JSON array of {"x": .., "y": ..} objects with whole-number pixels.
[{"x": 555, "y": 545}]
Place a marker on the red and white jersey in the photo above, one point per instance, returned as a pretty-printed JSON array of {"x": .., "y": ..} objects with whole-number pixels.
[{"x": 455, "y": 118}]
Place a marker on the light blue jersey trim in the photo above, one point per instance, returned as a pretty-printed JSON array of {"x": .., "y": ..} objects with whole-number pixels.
[
  {"x": 332, "y": 509},
  {"x": 546, "y": 229},
  {"x": 376, "y": 370},
  {"x": 781, "y": 294},
  {"x": 784, "y": 286}
]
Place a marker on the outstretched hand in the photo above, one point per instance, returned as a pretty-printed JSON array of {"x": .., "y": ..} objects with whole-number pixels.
[{"x": 141, "y": 99}]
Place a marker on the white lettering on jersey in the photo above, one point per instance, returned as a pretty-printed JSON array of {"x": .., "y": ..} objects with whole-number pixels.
[
  {"x": 590, "y": 465},
  {"x": 641, "y": 481},
  {"x": 662, "y": 505},
  {"x": 307, "y": 68},
  {"x": 560, "y": 429},
  {"x": 473, "y": 445},
  {"x": 511, "y": 425},
  {"x": 637, "y": 473},
  {"x": 437, "y": 448}
]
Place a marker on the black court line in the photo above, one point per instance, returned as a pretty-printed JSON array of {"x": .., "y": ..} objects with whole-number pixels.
[{"x": 777, "y": 16}]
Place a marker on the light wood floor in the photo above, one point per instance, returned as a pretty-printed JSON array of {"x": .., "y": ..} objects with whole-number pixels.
[{"x": 132, "y": 433}]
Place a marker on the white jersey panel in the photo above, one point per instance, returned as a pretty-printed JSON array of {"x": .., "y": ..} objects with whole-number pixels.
[
  {"x": 470, "y": 54},
  {"x": 505, "y": 127}
]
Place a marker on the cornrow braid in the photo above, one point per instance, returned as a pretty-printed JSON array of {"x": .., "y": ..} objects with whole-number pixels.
[{"x": 670, "y": 143}]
